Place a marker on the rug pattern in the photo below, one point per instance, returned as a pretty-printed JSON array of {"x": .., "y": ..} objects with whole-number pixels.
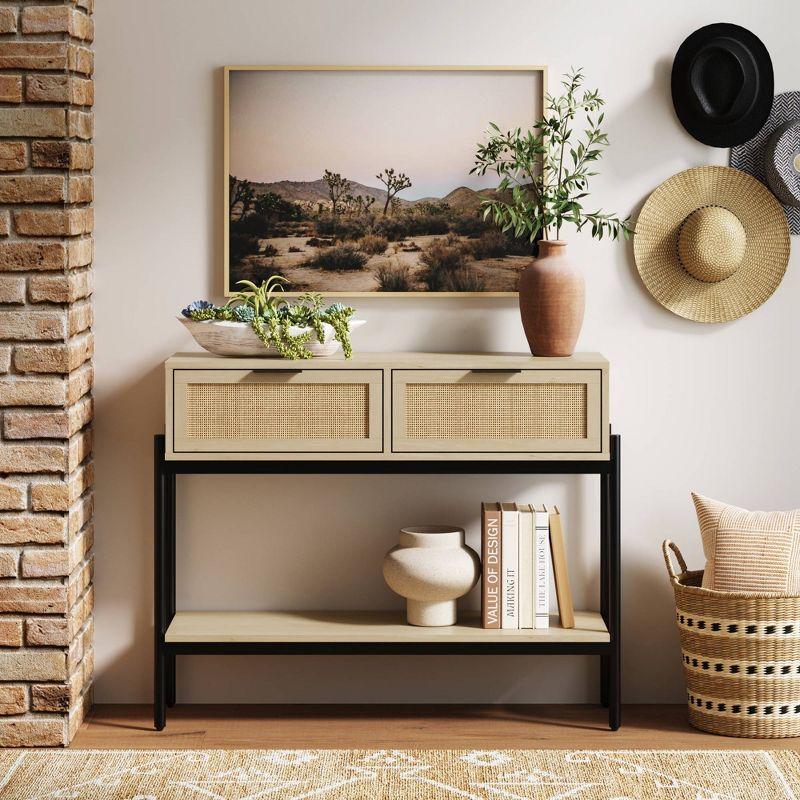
[{"x": 396, "y": 774}]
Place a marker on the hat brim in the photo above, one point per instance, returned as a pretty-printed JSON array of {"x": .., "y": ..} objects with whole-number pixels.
[
  {"x": 656, "y": 244},
  {"x": 701, "y": 125}
]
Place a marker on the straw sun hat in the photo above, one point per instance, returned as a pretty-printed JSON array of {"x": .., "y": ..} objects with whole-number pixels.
[{"x": 711, "y": 244}]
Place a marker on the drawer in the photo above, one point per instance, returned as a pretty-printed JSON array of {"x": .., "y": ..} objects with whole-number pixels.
[
  {"x": 277, "y": 411},
  {"x": 513, "y": 411}
]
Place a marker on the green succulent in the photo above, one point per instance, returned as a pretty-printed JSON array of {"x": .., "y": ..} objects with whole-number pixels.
[
  {"x": 273, "y": 332},
  {"x": 202, "y": 314},
  {"x": 243, "y": 314},
  {"x": 197, "y": 305},
  {"x": 338, "y": 317},
  {"x": 271, "y": 317},
  {"x": 312, "y": 301},
  {"x": 260, "y": 298}
]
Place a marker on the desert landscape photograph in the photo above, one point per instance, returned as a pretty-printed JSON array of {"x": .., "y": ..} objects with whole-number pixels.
[{"x": 341, "y": 192}]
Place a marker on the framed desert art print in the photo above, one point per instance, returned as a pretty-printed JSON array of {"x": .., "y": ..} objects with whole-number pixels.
[{"x": 356, "y": 181}]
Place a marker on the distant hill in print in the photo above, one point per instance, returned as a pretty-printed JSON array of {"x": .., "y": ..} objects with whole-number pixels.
[
  {"x": 315, "y": 191},
  {"x": 465, "y": 199},
  {"x": 461, "y": 199}
]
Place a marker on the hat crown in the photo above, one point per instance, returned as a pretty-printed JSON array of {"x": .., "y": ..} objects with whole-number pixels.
[
  {"x": 782, "y": 162},
  {"x": 711, "y": 244},
  {"x": 719, "y": 79},
  {"x": 722, "y": 84}
]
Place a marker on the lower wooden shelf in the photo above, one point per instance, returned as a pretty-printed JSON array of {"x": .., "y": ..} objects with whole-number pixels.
[{"x": 367, "y": 627}]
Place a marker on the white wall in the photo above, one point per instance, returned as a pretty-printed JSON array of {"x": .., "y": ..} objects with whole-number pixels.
[{"x": 707, "y": 408}]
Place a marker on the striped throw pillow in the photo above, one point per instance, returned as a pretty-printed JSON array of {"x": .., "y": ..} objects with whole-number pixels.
[{"x": 749, "y": 551}]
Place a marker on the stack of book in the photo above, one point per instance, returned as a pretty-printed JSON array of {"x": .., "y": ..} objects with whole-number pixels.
[{"x": 518, "y": 543}]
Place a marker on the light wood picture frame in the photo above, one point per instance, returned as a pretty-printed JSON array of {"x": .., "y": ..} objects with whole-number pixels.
[{"x": 288, "y": 128}]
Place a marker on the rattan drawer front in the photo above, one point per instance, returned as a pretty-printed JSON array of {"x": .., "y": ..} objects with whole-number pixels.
[
  {"x": 523, "y": 411},
  {"x": 496, "y": 411},
  {"x": 278, "y": 411}
]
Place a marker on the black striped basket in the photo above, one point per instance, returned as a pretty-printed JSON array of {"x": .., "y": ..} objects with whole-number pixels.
[{"x": 741, "y": 656}]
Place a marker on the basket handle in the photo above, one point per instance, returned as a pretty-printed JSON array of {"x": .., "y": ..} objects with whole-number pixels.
[{"x": 666, "y": 546}]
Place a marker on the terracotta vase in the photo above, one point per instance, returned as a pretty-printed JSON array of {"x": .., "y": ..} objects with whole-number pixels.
[{"x": 551, "y": 301}]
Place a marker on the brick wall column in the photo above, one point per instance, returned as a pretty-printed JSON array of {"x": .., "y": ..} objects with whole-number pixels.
[{"x": 46, "y": 220}]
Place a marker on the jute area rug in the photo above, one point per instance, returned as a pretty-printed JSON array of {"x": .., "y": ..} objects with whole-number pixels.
[{"x": 394, "y": 774}]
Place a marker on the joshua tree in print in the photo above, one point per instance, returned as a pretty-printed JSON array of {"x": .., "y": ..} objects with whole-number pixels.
[
  {"x": 363, "y": 203},
  {"x": 266, "y": 204},
  {"x": 271, "y": 204},
  {"x": 338, "y": 187},
  {"x": 240, "y": 191},
  {"x": 394, "y": 182},
  {"x": 352, "y": 204}
]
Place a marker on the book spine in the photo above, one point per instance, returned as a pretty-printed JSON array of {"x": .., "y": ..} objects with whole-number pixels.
[
  {"x": 491, "y": 611},
  {"x": 542, "y": 571},
  {"x": 526, "y": 567},
  {"x": 559, "y": 558},
  {"x": 510, "y": 556}
]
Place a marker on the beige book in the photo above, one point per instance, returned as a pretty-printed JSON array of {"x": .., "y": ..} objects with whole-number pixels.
[
  {"x": 526, "y": 566},
  {"x": 559, "y": 556},
  {"x": 509, "y": 524},
  {"x": 541, "y": 572}
]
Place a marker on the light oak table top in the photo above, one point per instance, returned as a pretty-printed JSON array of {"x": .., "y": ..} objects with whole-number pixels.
[{"x": 363, "y": 626}]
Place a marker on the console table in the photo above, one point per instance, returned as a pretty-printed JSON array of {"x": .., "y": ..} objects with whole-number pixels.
[{"x": 396, "y": 413}]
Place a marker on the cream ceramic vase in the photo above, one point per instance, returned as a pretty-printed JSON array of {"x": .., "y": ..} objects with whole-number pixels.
[
  {"x": 551, "y": 301},
  {"x": 431, "y": 567}
]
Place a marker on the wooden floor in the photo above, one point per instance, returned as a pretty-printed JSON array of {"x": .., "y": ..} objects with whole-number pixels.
[{"x": 402, "y": 727}]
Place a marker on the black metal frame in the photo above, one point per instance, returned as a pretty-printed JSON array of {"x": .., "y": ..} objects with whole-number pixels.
[{"x": 165, "y": 653}]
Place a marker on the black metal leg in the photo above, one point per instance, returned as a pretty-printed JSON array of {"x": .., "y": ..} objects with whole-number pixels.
[
  {"x": 605, "y": 527},
  {"x": 171, "y": 680},
  {"x": 170, "y": 552},
  {"x": 159, "y": 600},
  {"x": 604, "y": 665},
  {"x": 159, "y": 694},
  {"x": 614, "y": 594}
]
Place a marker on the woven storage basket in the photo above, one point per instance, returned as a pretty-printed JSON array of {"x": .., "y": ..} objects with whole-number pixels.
[{"x": 741, "y": 656}]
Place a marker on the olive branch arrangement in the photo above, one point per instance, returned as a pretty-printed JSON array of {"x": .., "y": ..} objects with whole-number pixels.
[
  {"x": 271, "y": 317},
  {"x": 546, "y": 170}
]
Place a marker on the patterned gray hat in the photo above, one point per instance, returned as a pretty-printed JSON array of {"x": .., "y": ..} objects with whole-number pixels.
[
  {"x": 782, "y": 163},
  {"x": 773, "y": 155}
]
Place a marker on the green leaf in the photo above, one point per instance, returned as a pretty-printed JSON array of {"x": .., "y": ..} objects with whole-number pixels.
[{"x": 544, "y": 188}]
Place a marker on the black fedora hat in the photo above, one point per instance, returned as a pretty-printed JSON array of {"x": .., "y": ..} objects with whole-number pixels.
[{"x": 722, "y": 84}]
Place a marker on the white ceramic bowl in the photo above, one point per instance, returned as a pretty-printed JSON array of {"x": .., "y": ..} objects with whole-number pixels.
[{"x": 238, "y": 338}]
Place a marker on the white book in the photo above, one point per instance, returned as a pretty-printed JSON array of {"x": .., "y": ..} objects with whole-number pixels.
[
  {"x": 526, "y": 572},
  {"x": 542, "y": 569},
  {"x": 510, "y": 559}
]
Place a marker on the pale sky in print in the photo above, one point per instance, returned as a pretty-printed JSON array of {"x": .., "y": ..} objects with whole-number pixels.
[{"x": 294, "y": 125}]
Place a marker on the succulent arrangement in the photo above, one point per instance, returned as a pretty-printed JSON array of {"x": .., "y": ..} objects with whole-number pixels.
[{"x": 272, "y": 317}]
